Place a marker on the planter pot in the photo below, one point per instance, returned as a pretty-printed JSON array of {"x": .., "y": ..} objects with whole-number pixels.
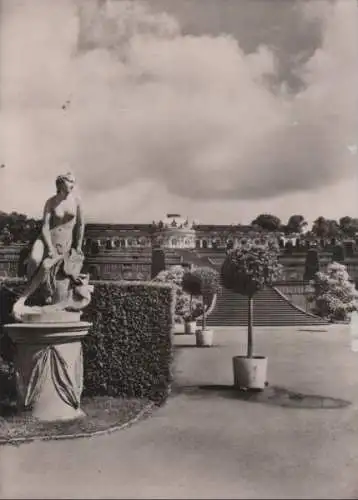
[
  {"x": 190, "y": 327},
  {"x": 250, "y": 373},
  {"x": 178, "y": 329},
  {"x": 204, "y": 338}
]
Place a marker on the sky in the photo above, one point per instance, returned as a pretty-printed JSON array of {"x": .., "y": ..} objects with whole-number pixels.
[{"x": 215, "y": 109}]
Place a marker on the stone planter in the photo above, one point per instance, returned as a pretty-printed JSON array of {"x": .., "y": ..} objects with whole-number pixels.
[
  {"x": 250, "y": 373},
  {"x": 190, "y": 327},
  {"x": 204, "y": 337},
  {"x": 49, "y": 368}
]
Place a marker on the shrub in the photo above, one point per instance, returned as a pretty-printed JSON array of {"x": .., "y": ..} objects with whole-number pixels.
[
  {"x": 7, "y": 348},
  {"x": 185, "y": 305},
  {"x": 203, "y": 282},
  {"x": 333, "y": 294},
  {"x": 9, "y": 290},
  {"x": 246, "y": 270},
  {"x": 128, "y": 351}
]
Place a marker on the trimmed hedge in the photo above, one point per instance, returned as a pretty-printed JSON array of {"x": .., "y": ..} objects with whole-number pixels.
[{"x": 128, "y": 351}]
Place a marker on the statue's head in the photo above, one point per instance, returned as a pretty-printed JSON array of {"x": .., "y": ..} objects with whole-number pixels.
[{"x": 65, "y": 183}]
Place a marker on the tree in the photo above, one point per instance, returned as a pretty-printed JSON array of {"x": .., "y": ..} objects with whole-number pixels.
[
  {"x": 247, "y": 270},
  {"x": 267, "y": 222},
  {"x": 325, "y": 228},
  {"x": 311, "y": 264},
  {"x": 333, "y": 294},
  {"x": 203, "y": 282},
  {"x": 296, "y": 224},
  {"x": 338, "y": 253},
  {"x": 17, "y": 228},
  {"x": 348, "y": 226}
]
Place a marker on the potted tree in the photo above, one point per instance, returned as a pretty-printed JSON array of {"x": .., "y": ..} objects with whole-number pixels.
[
  {"x": 191, "y": 287},
  {"x": 202, "y": 282},
  {"x": 185, "y": 305},
  {"x": 246, "y": 270}
]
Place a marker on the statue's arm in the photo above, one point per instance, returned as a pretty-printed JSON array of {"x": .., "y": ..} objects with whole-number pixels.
[
  {"x": 46, "y": 234},
  {"x": 80, "y": 227}
]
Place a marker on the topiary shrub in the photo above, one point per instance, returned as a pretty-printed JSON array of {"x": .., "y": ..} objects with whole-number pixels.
[
  {"x": 128, "y": 351},
  {"x": 203, "y": 282},
  {"x": 185, "y": 304},
  {"x": 246, "y": 270}
]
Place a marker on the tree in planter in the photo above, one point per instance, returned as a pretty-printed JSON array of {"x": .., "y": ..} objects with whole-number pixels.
[
  {"x": 184, "y": 304},
  {"x": 203, "y": 282},
  {"x": 248, "y": 270},
  {"x": 333, "y": 293}
]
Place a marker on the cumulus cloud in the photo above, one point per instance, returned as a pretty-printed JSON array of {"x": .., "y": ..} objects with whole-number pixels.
[{"x": 194, "y": 116}]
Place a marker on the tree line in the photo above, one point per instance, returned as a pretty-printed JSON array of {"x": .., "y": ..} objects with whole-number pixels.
[
  {"x": 321, "y": 228},
  {"x": 18, "y": 228}
]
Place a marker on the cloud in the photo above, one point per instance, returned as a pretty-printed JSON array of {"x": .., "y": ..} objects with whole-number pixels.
[{"x": 191, "y": 116}]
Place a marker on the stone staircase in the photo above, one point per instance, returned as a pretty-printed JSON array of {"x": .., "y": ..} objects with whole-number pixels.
[{"x": 271, "y": 308}]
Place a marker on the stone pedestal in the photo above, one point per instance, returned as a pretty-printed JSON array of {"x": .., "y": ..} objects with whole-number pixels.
[{"x": 49, "y": 368}]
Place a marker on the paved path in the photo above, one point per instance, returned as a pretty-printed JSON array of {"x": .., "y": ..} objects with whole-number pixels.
[{"x": 212, "y": 446}]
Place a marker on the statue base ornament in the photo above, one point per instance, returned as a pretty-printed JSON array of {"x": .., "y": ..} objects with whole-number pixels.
[{"x": 49, "y": 368}]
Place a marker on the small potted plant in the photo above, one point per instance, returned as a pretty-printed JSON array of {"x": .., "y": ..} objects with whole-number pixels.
[
  {"x": 202, "y": 282},
  {"x": 246, "y": 270}
]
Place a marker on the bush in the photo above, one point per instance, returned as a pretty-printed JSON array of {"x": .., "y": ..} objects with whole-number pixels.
[
  {"x": 7, "y": 348},
  {"x": 9, "y": 290},
  {"x": 185, "y": 305},
  {"x": 333, "y": 294},
  {"x": 128, "y": 351},
  {"x": 203, "y": 282}
]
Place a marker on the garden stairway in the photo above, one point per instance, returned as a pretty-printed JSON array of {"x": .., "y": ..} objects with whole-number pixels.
[{"x": 271, "y": 308}]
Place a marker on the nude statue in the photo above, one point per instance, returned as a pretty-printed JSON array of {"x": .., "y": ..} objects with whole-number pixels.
[{"x": 58, "y": 251}]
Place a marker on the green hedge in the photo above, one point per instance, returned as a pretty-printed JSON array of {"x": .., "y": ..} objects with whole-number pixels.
[{"x": 129, "y": 350}]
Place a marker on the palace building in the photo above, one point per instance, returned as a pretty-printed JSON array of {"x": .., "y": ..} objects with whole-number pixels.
[{"x": 128, "y": 251}]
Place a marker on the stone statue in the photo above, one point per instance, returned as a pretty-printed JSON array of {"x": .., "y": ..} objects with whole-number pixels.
[{"x": 55, "y": 261}]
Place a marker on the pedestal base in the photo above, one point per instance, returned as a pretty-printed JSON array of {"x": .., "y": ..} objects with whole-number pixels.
[{"x": 49, "y": 368}]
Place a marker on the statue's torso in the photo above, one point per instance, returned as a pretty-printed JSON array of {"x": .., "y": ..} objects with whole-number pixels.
[{"x": 62, "y": 222}]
